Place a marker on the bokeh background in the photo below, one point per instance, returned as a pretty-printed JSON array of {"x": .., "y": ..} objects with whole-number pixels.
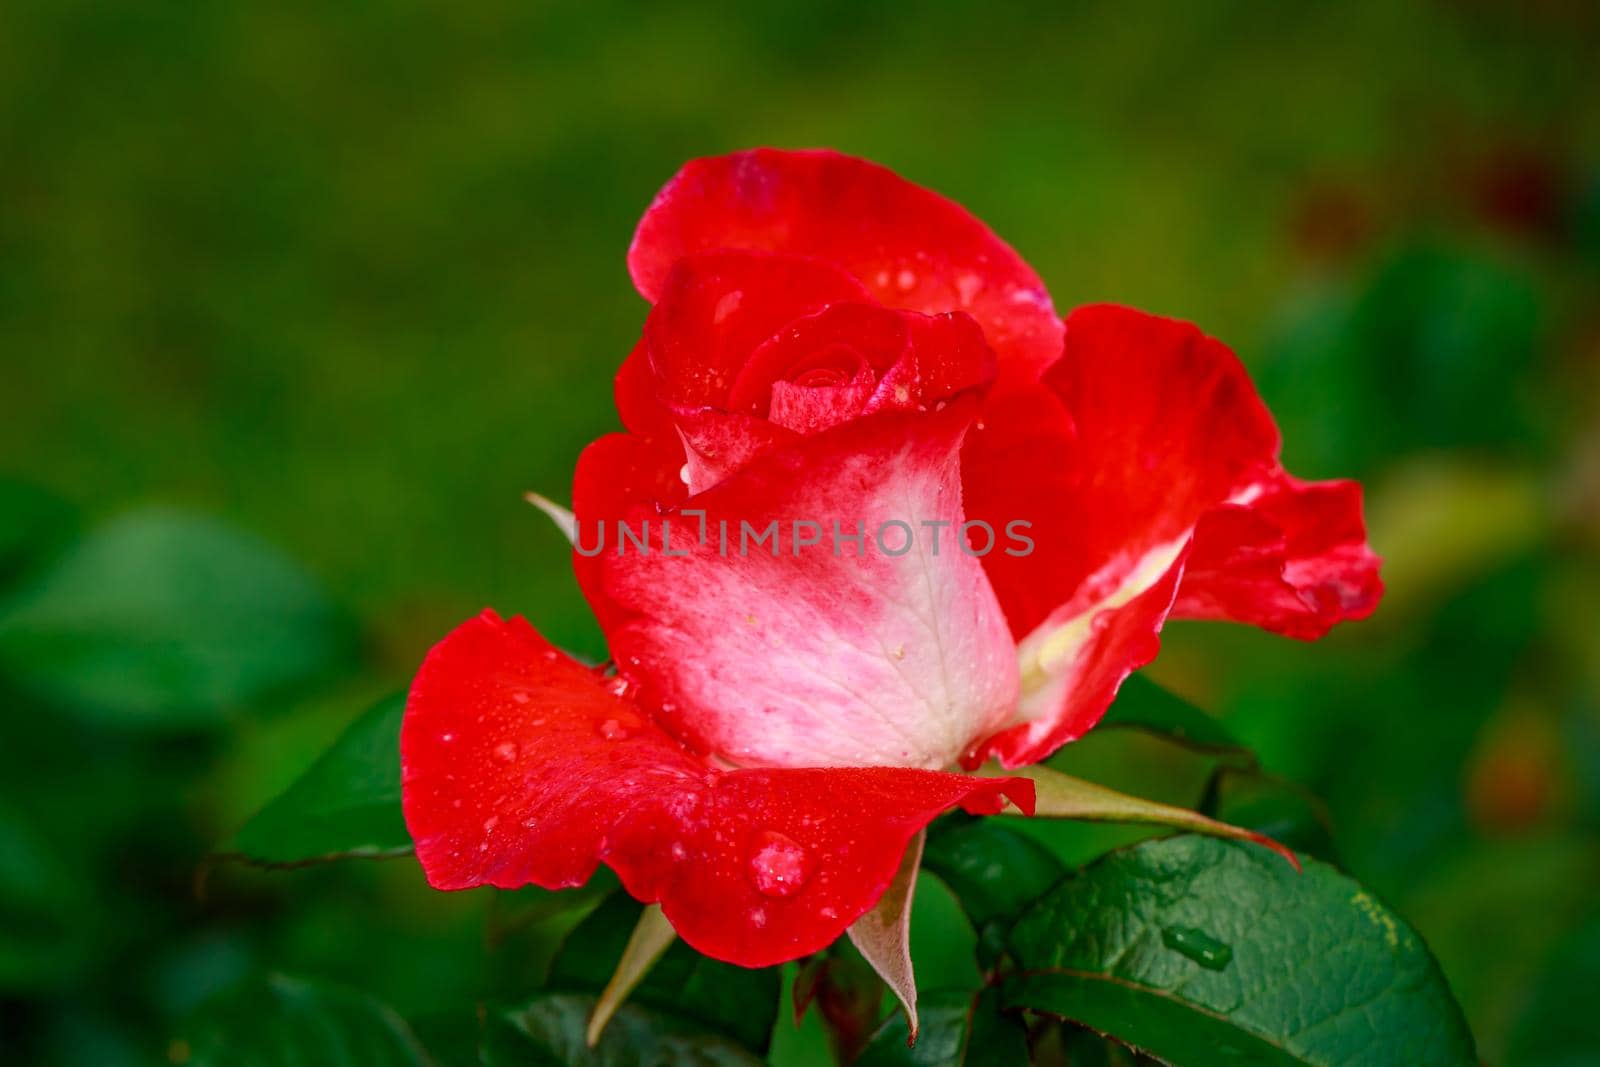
[{"x": 297, "y": 299}]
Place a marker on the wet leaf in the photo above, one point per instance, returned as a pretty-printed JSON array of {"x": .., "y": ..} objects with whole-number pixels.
[
  {"x": 549, "y": 1031},
  {"x": 1212, "y": 954}
]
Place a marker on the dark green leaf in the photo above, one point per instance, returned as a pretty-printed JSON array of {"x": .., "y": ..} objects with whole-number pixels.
[
  {"x": 513, "y": 910},
  {"x": 1143, "y": 705},
  {"x": 958, "y": 1030},
  {"x": 347, "y": 803},
  {"x": 1275, "y": 808},
  {"x": 549, "y": 1032},
  {"x": 740, "y": 1003},
  {"x": 292, "y": 1022},
  {"x": 1212, "y": 954},
  {"x": 1560, "y": 1027},
  {"x": 993, "y": 870},
  {"x": 168, "y": 619}
]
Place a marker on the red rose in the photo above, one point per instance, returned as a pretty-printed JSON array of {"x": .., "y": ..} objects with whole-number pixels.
[{"x": 885, "y": 514}]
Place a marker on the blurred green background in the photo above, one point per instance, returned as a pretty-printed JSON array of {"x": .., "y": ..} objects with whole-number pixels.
[{"x": 297, "y": 299}]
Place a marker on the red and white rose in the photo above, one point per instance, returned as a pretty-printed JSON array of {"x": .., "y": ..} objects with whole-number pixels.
[{"x": 833, "y": 352}]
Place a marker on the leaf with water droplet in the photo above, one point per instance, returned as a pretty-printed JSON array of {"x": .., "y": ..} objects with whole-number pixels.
[
  {"x": 1197, "y": 945},
  {"x": 1210, "y": 953}
]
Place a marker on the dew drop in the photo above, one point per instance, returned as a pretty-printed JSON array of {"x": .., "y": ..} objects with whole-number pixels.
[
  {"x": 490, "y": 823},
  {"x": 447, "y": 737},
  {"x": 779, "y": 866},
  {"x": 905, "y": 281},
  {"x": 519, "y": 697},
  {"x": 727, "y": 306},
  {"x": 1197, "y": 945},
  {"x": 967, "y": 287},
  {"x": 614, "y": 730},
  {"x": 506, "y": 751},
  {"x": 683, "y": 474}
]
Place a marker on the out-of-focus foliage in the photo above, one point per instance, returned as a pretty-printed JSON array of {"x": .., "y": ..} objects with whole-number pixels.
[{"x": 347, "y": 279}]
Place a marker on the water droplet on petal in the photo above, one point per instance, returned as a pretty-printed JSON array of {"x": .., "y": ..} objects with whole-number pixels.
[
  {"x": 614, "y": 730},
  {"x": 727, "y": 305},
  {"x": 1197, "y": 945},
  {"x": 506, "y": 751},
  {"x": 905, "y": 281},
  {"x": 518, "y": 696},
  {"x": 779, "y": 866}
]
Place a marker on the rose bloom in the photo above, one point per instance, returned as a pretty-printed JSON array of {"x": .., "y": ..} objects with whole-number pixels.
[{"x": 830, "y": 343}]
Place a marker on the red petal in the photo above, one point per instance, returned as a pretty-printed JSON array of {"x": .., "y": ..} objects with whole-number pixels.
[
  {"x": 617, "y": 475},
  {"x": 1145, "y": 436},
  {"x": 715, "y": 308},
  {"x": 1294, "y": 560},
  {"x": 520, "y": 765},
  {"x": 876, "y": 336},
  {"x": 912, "y": 248},
  {"x": 634, "y": 388}
]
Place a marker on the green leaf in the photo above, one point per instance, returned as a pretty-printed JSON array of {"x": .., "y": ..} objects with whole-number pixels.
[
  {"x": 993, "y": 870},
  {"x": 958, "y": 1030},
  {"x": 1212, "y": 954},
  {"x": 167, "y": 619},
  {"x": 549, "y": 1032},
  {"x": 1277, "y": 809},
  {"x": 739, "y": 1003},
  {"x": 347, "y": 803},
  {"x": 292, "y": 1022},
  {"x": 1143, "y": 705}
]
